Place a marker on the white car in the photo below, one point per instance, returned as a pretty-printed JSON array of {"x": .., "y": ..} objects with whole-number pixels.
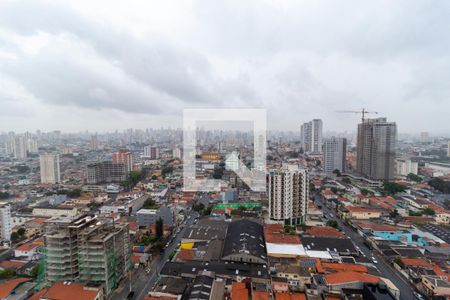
[{"x": 375, "y": 261}]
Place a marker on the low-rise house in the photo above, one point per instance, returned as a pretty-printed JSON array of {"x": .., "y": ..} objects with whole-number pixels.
[
  {"x": 360, "y": 213},
  {"x": 26, "y": 251},
  {"x": 435, "y": 286}
]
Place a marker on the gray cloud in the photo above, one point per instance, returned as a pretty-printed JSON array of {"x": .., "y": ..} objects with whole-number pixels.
[{"x": 298, "y": 59}]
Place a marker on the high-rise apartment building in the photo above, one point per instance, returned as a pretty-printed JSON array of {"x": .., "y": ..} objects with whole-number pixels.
[
  {"x": 94, "y": 142},
  {"x": 176, "y": 153},
  {"x": 20, "y": 147},
  {"x": 424, "y": 137},
  {"x": 288, "y": 190},
  {"x": 151, "y": 151},
  {"x": 50, "y": 170},
  {"x": 403, "y": 167},
  {"x": 334, "y": 154},
  {"x": 5, "y": 222},
  {"x": 311, "y": 136},
  {"x": 86, "y": 249},
  {"x": 448, "y": 149},
  {"x": 124, "y": 157},
  {"x": 106, "y": 172},
  {"x": 376, "y": 149}
]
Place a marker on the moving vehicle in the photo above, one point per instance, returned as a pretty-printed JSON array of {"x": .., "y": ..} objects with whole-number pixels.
[
  {"x": 130, "y": 295},
  {"x": 375, "y": 261}
]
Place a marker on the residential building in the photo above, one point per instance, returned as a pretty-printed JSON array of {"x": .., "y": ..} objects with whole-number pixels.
[
  {"x": 376, "y": 149},
  {"x": 90, "y": 250},
  {"x": 50, "y": 211},
  {"x": 20, "y": 147},
  {"x": 151, "y": 151},
  {"x": 311, "y": 136},
  {"x": 123, "y": 157},
  {"x": 404, "y": 167},
  {"x": 146, "y": 217},
  {"x": 176, "y": 153},
  {"x": 288, "y": 194},
  {"x": 106, "y": 172},
  {"x": 334, "y": 154},
  {"x": 49, "y": 168},
  {"x": 424, "y": 137},
  {"x": 5, "y": 222},
  {"x": 94, "y": 142}
]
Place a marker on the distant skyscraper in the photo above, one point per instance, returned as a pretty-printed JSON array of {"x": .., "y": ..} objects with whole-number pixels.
[
  {"x": 124, "y": 157},
  {"x": 311, "y": 136},
  {"x": 20, "y": 147},
  {"x": 334, "y": 154},
  {"x": 176, "y": 153},
  {"x": 32, "y": 145},
  {"x": 288, "y": 194},
  {"x": 50, "y": 171},
  {"x": 376, "y": 149},
  {"x": 424, "y": 137},
  {"x": 5, "y": 222},
  {"x": 94, "y": 142}
]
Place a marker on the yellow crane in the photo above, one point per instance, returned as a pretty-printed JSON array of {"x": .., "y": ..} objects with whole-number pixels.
[{"x": 363, "y": 112}]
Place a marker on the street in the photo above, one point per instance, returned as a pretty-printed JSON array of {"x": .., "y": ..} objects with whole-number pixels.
[
  {"x": 385, "y": 269},
  {"x": 142, "y": 282}
]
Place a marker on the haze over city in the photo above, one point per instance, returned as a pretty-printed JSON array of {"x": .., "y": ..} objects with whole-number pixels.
[{"x": 108, "y": 65}]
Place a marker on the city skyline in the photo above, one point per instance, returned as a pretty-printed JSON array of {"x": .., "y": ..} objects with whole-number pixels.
[{"x": 60, "y": 69}]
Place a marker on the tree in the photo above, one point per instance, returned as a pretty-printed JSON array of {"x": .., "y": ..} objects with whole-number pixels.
[
  {"x": 332, "y": 223},
  {"x": 199, "y": 207},
  {"x": 159, "y": 228},
  {"x": 150, "y": 204},
  {"x": 21, "y": 231},
  {"x": 7, "y": 273},
  {"x": 35, "y": 271},
  {"x": 365, "y": 192},
  {"x": 15, "y": 237},
  {"x": 346, "y": 180},
  {"x": 428, "y": 211},
  {"x": 414, "y": 177},
  {"x": 4, "y": 195},
  {"x": 337, "y": 172},
  {"x": 441, "y": 185},
  {"x": 394, "y": 214},
  {"x": 393, "y": 187},
  {"x": 242, "y": 208},
  {"x": 166, "y": 170},
  {"x": 154, "y": 177}
]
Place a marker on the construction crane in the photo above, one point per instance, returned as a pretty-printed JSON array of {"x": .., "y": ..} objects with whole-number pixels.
[{"x": 363, "y": 112}]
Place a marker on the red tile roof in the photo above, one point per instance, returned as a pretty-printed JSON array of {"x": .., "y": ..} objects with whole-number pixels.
[
  {"x": 345, "y": 267},
  {"x": 6, "y": 287},
  {"x": 290, "y": 296},
  {"x": 420, "y": 262},
  {"x": 324, "y": 231},
  {"x": 239, "y": 291},
  {"x": 350, "y": 276},
  {"x": 72, "y": 291}
]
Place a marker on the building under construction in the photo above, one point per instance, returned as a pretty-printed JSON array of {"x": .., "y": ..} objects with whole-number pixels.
[{"x": 87, "y": 249}]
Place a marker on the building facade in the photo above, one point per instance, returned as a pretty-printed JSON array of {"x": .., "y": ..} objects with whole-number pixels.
[
  {"x": 124, "y": 157},
  {"x": 403, "y": 167},
  {"x": 334, "y": 154},
  {"x": 288, "y": 194},
  {"x": 5, "y": 222},
  {"x": 106, "y": 172},
  {"x": 50, "y": 169},
  {"x": 376, "y": 149},
  {"x": 146, "y": 217},
  {"x": 311, "y": 136},
  {"x": 86, "y": 249}
]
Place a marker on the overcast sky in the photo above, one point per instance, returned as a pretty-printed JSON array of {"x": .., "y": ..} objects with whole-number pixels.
[{"x": 102, "y": 65}]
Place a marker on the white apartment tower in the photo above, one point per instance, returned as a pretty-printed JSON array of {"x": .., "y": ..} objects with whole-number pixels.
[
  {"x": 334, "y": 154},
  {"x": 5, "y": 222},
  {"x": 311, "y": 136},
  {"x": 50, "y": 171},
  {"x": 288, "y": 194}
]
